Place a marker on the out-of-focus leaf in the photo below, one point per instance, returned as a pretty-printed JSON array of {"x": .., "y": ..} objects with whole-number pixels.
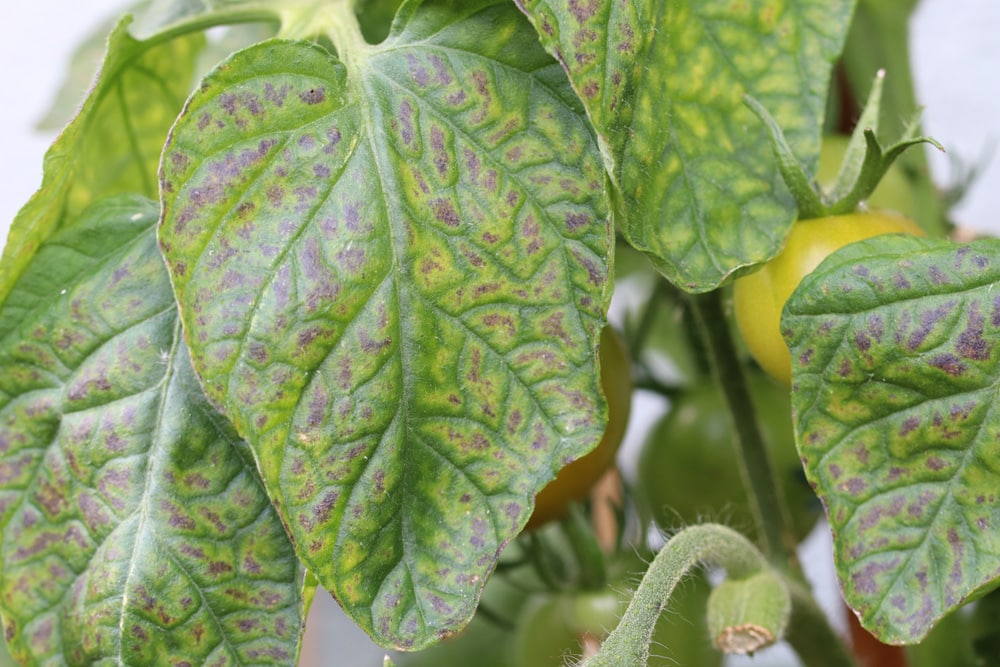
[
  {"x": 231, "y": 39},
  {"x": 664, "y": 84},
  {"x": 113, "y": 144},
  {"x": 165, "y": 16},
  {"x": 393, "y": 275},
  {"x": 81, "y": 71},
  {"x": 375, "y": 18},
  {"x": 133, "y": 530},
  {"x": 895, "y": 347}
]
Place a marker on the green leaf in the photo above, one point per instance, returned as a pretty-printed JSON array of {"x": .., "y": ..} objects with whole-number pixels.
[
  {"x": 663, "y": 83},
  {"x": 83, "y": 65},
  {"x": 895, "y": 345},
  {"x": 393, "y": 275},
  {"x": 113, "y": 144},
  {"x": 375, "y": 18},
  {"x": 161, "y": 17},
  {"x": 134, "y": 529}
]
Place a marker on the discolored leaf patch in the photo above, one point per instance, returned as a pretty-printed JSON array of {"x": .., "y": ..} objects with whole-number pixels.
[
  {"x": 895, "y": 348},
  {"x": 134, "y": 531},
  {"x": 112, "y": 146},
  {"x": 664, "y": 84},
  {"x": 393, "y": 274}
]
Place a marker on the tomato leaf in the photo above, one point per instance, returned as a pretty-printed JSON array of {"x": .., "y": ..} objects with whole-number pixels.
[
  {"x": 163, "y": 16},
  {"x": 113, "y": 144},
  {"x": 133, "y": 529},
  {"x": 664, "y": 82},
  {"x": 393, "y": 274},
  {"x": 895, "y": 346}
]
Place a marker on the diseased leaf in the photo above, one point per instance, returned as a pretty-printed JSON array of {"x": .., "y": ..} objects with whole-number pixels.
[
  {"x": 895, "y": 347},
  {"x": 664, "y": 84},
  {"x": 113, "y": 144},
  {"x": 133, "y": 530},
  {"x": 393, "y": 275}
]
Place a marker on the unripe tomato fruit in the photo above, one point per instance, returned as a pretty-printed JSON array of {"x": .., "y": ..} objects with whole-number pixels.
[
  {"x": 688, "y": 470},
  {"x": 574, "y": 482},
  {"x": 759, "y": 297}
]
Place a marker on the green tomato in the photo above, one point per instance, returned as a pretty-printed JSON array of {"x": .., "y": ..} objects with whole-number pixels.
[
  {"x": 573, "y": 483},
  {"x": 553, "y": 628},
  {"x": 759, "y": 297},
  {"x": 688, "y": 470}
]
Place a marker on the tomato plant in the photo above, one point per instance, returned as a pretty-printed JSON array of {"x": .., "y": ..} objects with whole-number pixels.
[
  {"x": 759, "y": 297},
  {"x": 894, "y": 192},
  {"x": 688, "y": 470},
  {"x": 574, "y": 481},
  {"x": 558, "y": 627},
  {"x": 312, "y": 294}
]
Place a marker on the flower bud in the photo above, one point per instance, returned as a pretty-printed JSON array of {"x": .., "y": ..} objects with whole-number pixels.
[{"x": 746, "y": 615}]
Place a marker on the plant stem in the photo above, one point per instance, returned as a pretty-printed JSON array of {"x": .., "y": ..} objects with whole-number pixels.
[
  {"x": 810, "y": 634},
  {"x": 628, "y": 644},
  {"x": 809, "y": 630},
  {"x": 756, "y": 469}
]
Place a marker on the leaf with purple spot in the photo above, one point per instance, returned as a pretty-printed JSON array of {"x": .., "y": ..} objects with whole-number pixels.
[
  {"x": 392, "y": 271},
  {"x": 134, "y": 526},
  {"x": 664, "y": 84},
  {"x": 895, "y": 346},
  {"x": 112, "y": 146}
]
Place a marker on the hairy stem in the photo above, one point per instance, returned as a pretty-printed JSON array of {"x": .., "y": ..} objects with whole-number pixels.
[
  {"x": 756, "y": 469},
  {"x": 628, "y": 644}
]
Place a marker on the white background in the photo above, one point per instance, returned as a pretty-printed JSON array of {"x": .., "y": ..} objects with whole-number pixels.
[{"x": 956, "y": 57}]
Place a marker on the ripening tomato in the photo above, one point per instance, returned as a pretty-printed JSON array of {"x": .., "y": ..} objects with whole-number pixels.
[
  {"x": 574, "y": 482},
  {"x": 759, "y": 297}
]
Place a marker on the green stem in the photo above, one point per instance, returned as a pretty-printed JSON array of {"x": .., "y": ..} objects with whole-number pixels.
[
  {"x": 756, "y": 468},
  {"x": 628, "y": 644},
  {"x": 593, "y": 571},
  {"x": 809, "y": 632}
]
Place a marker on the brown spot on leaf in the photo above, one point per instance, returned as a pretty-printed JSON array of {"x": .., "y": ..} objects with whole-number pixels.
[
  {"x": 406, "y": 121},
  {"x": 553, "y": 326},
  {"x": 218, "y": 568},
  {"x": 371, "y": 346},
  {"x": 584, "y": 9},
  {"x": 418, "y": 72},
  {"x": 971, "y": 344},
  {"x": 445, "y": 213},
  {"x": 313, "y": 96},
  {"x": 949, "y": 363},
  {"x": 909, "y": 425}
]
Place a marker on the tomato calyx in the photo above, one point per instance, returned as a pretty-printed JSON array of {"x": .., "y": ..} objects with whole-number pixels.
[{"x": 865, "y": 161}]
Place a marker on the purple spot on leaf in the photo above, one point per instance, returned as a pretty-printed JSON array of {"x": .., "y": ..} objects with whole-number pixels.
[{"x": 313, "y": 96}]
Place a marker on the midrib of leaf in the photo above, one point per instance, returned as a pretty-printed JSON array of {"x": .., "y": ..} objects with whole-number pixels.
[{"x": 391, "y": 186}]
